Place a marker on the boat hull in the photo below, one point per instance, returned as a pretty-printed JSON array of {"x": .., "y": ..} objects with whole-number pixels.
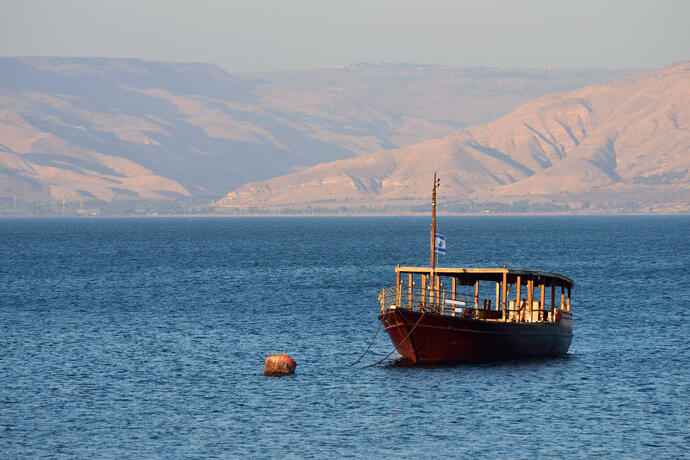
[{"x": 437, "y": 338}]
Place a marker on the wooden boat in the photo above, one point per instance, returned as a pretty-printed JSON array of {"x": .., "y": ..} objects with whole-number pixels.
[{"x": 443, "y": 315}]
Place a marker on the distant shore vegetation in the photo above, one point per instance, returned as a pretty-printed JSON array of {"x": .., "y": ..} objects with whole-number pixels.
[{"x": 137, "y": 208}]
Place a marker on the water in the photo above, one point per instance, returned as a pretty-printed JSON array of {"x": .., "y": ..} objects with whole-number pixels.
[{"x": 146, "y": 338}]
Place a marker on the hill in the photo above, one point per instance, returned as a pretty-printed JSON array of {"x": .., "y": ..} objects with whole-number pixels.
[
  {"x": 108, "y": 130},
  {"x": 621, "y": 146}
]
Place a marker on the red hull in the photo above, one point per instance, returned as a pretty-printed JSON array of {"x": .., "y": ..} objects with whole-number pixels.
[{"x": 442, "y": 338}]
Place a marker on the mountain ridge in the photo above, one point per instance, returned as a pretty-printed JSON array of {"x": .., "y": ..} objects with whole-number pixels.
[
  {"x": 100, "y": 130},
  {"x": 611, "y": 138}
]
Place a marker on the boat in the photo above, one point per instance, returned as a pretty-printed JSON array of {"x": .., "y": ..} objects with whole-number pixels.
[{"x": 450, "y": 315}]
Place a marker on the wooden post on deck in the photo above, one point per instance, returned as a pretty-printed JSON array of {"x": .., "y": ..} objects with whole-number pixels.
[
  {"x": 504, "y": 283},
  {"x": 424, "y": 290},
  {"x": 562, "y": 297},
  {"x": 568, "y": 298},
  {"x": 476, "y": 294},
  {"x": 454, "y": 287},
  {"x": 410, "y": 283},
  {"x": 530, "y": 296},
  {"x": 542, "y": 297},
  {"x": 440, "y": 296},
  {"x": 518, "y": 300},
  {"x": 442, "y": 303},
  {"x": 398, "y": 289}
]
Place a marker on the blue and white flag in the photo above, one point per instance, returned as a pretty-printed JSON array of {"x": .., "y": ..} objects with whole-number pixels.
[{"x": 440, "y": 244}]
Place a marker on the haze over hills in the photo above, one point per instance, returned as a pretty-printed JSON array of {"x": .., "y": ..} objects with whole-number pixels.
[
  {"x": 104, "y": 130},
  {"x": 623, "y": 145},
  {"x": 454, "y": 96}
]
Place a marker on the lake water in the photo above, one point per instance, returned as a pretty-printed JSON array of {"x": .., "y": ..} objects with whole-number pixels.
[{"x": 146, "y": 338}]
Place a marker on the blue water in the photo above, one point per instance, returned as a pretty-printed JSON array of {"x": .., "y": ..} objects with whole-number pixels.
[{"x": 146, "y": 338}]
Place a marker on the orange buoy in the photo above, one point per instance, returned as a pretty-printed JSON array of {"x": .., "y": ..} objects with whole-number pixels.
[{"x": 277, "y": 365}]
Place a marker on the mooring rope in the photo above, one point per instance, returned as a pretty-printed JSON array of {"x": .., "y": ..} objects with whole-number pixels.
[
  {"x": 370, "y": 344},
  {"x": 403, "y": 341}
]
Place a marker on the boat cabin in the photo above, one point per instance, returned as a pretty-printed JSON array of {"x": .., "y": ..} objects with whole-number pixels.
[{"x": 494, "y": 294}]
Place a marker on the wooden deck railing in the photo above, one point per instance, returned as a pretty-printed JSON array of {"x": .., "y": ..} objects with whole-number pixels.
[{"x": 444, "y": 303}]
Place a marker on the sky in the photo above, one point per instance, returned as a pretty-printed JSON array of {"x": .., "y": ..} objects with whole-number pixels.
[{"x": 265, "y": 35}]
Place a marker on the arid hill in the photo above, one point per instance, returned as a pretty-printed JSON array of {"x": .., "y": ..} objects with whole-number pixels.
[
  {"x": 625, "y": 142},
  {"x": 74, "y": 130}
]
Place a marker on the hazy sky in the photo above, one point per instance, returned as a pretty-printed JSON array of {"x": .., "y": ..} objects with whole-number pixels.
[{"x": 257, "y": 35}]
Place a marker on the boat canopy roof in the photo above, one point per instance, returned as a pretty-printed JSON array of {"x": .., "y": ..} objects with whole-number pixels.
[{"x": 470, "y": 275}]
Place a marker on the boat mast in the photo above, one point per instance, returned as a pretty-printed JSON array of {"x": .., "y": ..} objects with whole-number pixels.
[{"x": 433, "y": 233}]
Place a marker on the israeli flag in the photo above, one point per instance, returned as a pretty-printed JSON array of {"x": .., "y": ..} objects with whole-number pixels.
[{"x": 440, "y": 244}]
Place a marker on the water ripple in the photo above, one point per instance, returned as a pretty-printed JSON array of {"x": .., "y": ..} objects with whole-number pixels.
[{"x": 146, "y": 338}]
